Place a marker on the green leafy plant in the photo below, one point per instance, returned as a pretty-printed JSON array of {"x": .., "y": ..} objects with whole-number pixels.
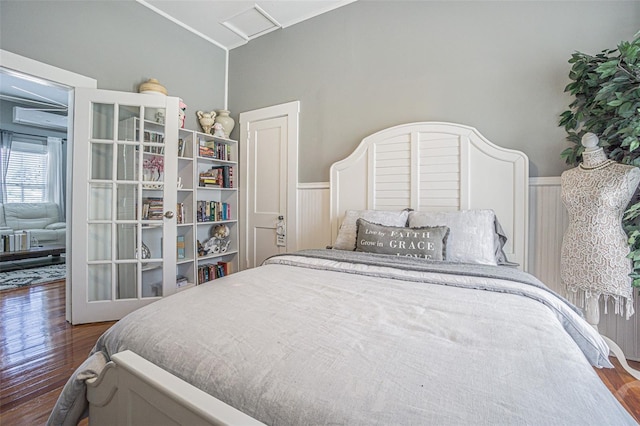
[{"x": 606, "y": 90}]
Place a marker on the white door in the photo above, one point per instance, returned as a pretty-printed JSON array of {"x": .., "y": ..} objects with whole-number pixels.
[
  {"x": 123, "y": 196},
  {"x": 269, "y": 140}
]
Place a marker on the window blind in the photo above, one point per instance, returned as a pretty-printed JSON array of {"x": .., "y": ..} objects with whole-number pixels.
[{"x": 27, "y": 174}]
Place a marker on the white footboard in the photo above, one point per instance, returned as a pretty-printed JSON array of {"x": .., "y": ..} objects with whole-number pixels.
[{"x": 133, "y": 391}]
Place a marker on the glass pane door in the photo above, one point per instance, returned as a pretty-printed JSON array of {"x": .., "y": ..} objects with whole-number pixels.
[{"x": 127, "y": 217}]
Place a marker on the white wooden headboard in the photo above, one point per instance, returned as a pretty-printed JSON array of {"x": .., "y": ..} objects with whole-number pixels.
[{"x": 435, "y": 166}]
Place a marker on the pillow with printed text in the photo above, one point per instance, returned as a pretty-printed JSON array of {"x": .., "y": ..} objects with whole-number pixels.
[{"x": 429, "y": 242}]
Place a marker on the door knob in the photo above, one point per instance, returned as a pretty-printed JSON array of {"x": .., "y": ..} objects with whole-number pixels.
[{"x": 168, "y": 214}]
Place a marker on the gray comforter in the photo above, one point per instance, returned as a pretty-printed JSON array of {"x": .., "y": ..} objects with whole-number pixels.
[{"x": 327, "y": 337}]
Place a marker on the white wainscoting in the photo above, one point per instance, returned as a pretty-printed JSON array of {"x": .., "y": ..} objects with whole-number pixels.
[
  {"x": 547, "y": 222},
  {"x": 314, "y": 226}
]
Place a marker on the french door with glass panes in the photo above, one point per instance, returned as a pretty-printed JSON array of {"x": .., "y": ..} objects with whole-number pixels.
[{"x": 123, "y": 201}]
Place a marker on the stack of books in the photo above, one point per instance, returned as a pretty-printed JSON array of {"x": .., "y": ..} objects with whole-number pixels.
[
  {"x": 152, "y": 208},
  {"x": 217, "y": 177},
  {"x": 217, "y": 150}
]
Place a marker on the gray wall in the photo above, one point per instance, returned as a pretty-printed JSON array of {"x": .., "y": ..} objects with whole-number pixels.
[
  {"x": 500, "y": 67},
  {"x": 120, "y": 44}
]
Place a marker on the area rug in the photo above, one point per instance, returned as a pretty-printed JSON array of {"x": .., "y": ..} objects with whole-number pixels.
[{"x": 26, "y": 277}]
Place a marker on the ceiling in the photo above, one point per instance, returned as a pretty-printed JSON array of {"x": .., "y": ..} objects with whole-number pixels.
[
  {"x": 31, "y": 91},
  {"x": 230, "y": 24},
  {"x": 226, "y": 24}
]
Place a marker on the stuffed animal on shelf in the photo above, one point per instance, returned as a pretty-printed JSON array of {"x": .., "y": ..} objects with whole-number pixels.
[
  {"x": 221, "y": 232},
  {"x": 211, "y": 246},
  {"x": 224, "y": 246},
  {"x": 201, "y": 250},
  {"x": 182, "y": 114},
  {"x": 218, "y": 130},
  {"x": 218, "y": 243}
]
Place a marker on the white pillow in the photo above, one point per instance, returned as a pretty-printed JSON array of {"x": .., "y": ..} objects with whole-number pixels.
[
  {"x": 471, "y": 237},
  {"x": 346, "y": 239}
]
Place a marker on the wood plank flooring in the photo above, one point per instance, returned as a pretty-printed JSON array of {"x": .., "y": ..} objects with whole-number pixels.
[{"x": 39, "y": 350}]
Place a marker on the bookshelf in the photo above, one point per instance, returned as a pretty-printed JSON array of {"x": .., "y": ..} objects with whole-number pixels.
[
  {"x": 207, "y": 202},
  {"x": 206, "y": 199}
]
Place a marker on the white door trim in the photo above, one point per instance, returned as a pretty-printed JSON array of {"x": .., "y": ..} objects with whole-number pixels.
[
  {"x": 32, "y": 67},
  {"x": 28, "y": 66},
  {"x": 291, "y": 110}
]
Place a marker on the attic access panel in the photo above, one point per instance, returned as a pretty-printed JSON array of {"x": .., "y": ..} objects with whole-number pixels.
[{"x": 252, "y": 23}]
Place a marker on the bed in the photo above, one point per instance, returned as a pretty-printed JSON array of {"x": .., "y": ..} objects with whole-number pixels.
[{"x": 420, "y": 313}]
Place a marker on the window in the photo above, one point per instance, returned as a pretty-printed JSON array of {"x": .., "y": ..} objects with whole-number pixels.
[{"x": 27, "y": 174}]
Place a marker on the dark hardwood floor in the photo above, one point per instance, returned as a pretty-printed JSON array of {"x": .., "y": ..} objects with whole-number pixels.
[{"x": 39, "y": 350}]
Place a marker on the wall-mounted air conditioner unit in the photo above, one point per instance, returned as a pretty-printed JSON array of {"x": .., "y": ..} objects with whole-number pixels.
[{"x": 39, "y": 118}]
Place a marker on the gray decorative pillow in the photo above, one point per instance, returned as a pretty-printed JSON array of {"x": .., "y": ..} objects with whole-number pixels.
[
  {"x": 346, "y": 239},
  {"x": 426, "y": 242},
  {"x": 472, "y": 233}
]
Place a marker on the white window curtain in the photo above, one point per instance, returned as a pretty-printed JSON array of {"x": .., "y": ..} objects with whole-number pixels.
[
  {"x": 56, "y": 190},
  {"x": 5, "y": 152}
]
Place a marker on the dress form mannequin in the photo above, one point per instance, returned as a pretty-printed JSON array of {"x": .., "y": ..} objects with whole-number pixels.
[{"x": 594, "y": 248}]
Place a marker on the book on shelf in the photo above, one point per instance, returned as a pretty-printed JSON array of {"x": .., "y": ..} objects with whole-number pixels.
[
  {"x": 212, "y": 211},
  {"x": 212, "y": 271},
  {"x": 181, "y": 147},
  {"x": 214, "y": 149},
  {"x": 181, "y": 281},
  {"x": 152, "y": 208},
  {"x": 155, "y": 137},
  {"x": 217, "y": 177},
  {"x": 180, "y": 214},
  {"x": 205, "y": 151},
  {"x": 210, "y": 178},
  {"x": 154, "y": 149},
  {"x": 180, "y": 247}
]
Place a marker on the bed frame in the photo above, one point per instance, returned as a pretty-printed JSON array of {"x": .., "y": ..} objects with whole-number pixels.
[{"x": 424, "y": 166}]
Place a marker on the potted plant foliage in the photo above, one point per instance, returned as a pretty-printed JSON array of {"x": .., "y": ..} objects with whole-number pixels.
[{"x": 606, "y": 90}]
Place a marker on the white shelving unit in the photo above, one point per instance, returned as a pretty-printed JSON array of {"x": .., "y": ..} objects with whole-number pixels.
[{"x": 194, "y": 202}]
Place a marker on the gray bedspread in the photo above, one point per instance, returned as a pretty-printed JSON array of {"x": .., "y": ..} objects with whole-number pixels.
[{"x": 327, "y": 337}]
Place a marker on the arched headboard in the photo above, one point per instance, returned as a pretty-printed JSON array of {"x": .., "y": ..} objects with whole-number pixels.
[{"x": 435, "y": 166}]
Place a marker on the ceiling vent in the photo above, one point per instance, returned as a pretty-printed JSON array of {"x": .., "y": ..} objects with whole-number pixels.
[
  {"x": 39, "y": 118},
  {"x": 252, "y": 23}
]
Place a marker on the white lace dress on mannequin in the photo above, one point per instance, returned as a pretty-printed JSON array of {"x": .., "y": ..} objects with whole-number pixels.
[{"x": 594, "y": 248}]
